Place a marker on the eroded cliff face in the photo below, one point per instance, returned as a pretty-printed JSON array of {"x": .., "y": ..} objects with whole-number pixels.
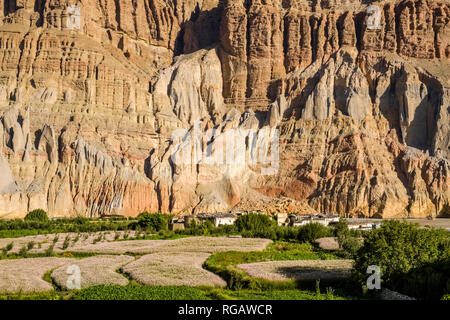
[{"x": 357, "y": 97}]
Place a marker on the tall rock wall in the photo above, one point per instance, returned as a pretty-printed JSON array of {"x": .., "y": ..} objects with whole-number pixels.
[
  {"x": 276, "y": 37},
  {"x": 355, "y": 92}
]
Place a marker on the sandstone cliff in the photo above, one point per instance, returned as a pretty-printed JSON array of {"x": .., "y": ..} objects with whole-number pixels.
[{"x": 357, "y": 94}]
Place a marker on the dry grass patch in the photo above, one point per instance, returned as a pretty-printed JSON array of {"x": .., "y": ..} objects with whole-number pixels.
[
  {"x": 173, "y": 269},
  {"x": 76, "y": 240},
  {"x": 19, "y": 243},
  {"x": 299, "y": 269},
  {"x": 329, "y": 243},
  {"x": 191, "y": 244},
  {"x": 25, "y": 275},
  {"x": 214, "y": 244},
  {"x": 121, "y": 247},
  {"x": 97, "y": 270}
]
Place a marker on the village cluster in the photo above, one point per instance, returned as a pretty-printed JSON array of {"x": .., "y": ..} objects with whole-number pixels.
[{"x": 283, "y": 219}]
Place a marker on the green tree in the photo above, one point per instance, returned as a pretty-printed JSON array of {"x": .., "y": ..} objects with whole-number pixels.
[
  {"x": 345, "y": 238},
  {"x": 153, "y": 221},
  {"x": 37, "y": 215},
  {"x": 341, "y": 231},
  {"x": 312, "y": 232},
  {"x": 256, "y": 225},
  {"x": 81, "y": 220},
  {"x": 411, "y": 260},
  {"x": 351, "y": 245}
]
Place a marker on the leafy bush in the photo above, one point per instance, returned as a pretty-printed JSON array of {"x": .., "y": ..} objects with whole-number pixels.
[
  {"x": 23, "y": 252},
  {"x": 413, "y": 261},
  {"x": 50, "y": 251},
  {"x": 225, "y": 230},
  {"x": 341, "y": 231},
  {"x": 204, "y": 228},
  {"x": 138, "y": 292},
  {"x": 8, "y": 248},
  {"x": 347, "y": 239},
  {"x": 286, "y": 233},
  {"x": 37, "y": 215},
  {"x": 66, "y": 243},
  {"x": 256, "y": 225},
  {"x": 30, "y": 245},
  {"x": 81, "y": 220},
  {"x": 153, "y": 221},
  {"x": 312, "y": 232},
  {"x": 351, "y": 245}
]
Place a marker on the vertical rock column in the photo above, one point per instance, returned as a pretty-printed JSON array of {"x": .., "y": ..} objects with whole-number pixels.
[
  {"x": 233, "y": 52},
  {"x": 298, "y": 40},
  {"x": 265, "y": 49},
  {"x": 347, "y": 30},
  {"x": 442, "y": 31},
  {"x": 390, "y": 37},
  {"x": 416, "y": 34}
]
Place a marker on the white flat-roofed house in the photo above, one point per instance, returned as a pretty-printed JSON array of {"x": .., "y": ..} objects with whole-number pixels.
[
  {"x": 217, "y": 219},
  {"x": 301, "y": 220},
  {"x": 365, "y": 226},
  {"x": 224, "y": 219}
]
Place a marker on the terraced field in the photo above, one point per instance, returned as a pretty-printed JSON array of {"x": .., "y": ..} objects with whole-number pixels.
[
  {"x": 103, "y": 260},
  {"x": 26, "y": 275},
  {"x": 173, "y": 269},
  {"x": 110, "y": 266},
  {"x": 96, "y": 270},
  {"x": 191, "y": 244},
  {"x": 299, "y": 269},
  {"x": 73, "y": 241}
]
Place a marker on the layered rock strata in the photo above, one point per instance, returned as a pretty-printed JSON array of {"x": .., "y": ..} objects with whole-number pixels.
[{"x": 356, "y": 94}]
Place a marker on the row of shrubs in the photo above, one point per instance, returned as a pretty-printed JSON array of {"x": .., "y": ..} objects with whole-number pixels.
[
  {"x": 249, "y": 225},
  {"x": 38, "y": 221},
  {"x": 263, "y": 226}
]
